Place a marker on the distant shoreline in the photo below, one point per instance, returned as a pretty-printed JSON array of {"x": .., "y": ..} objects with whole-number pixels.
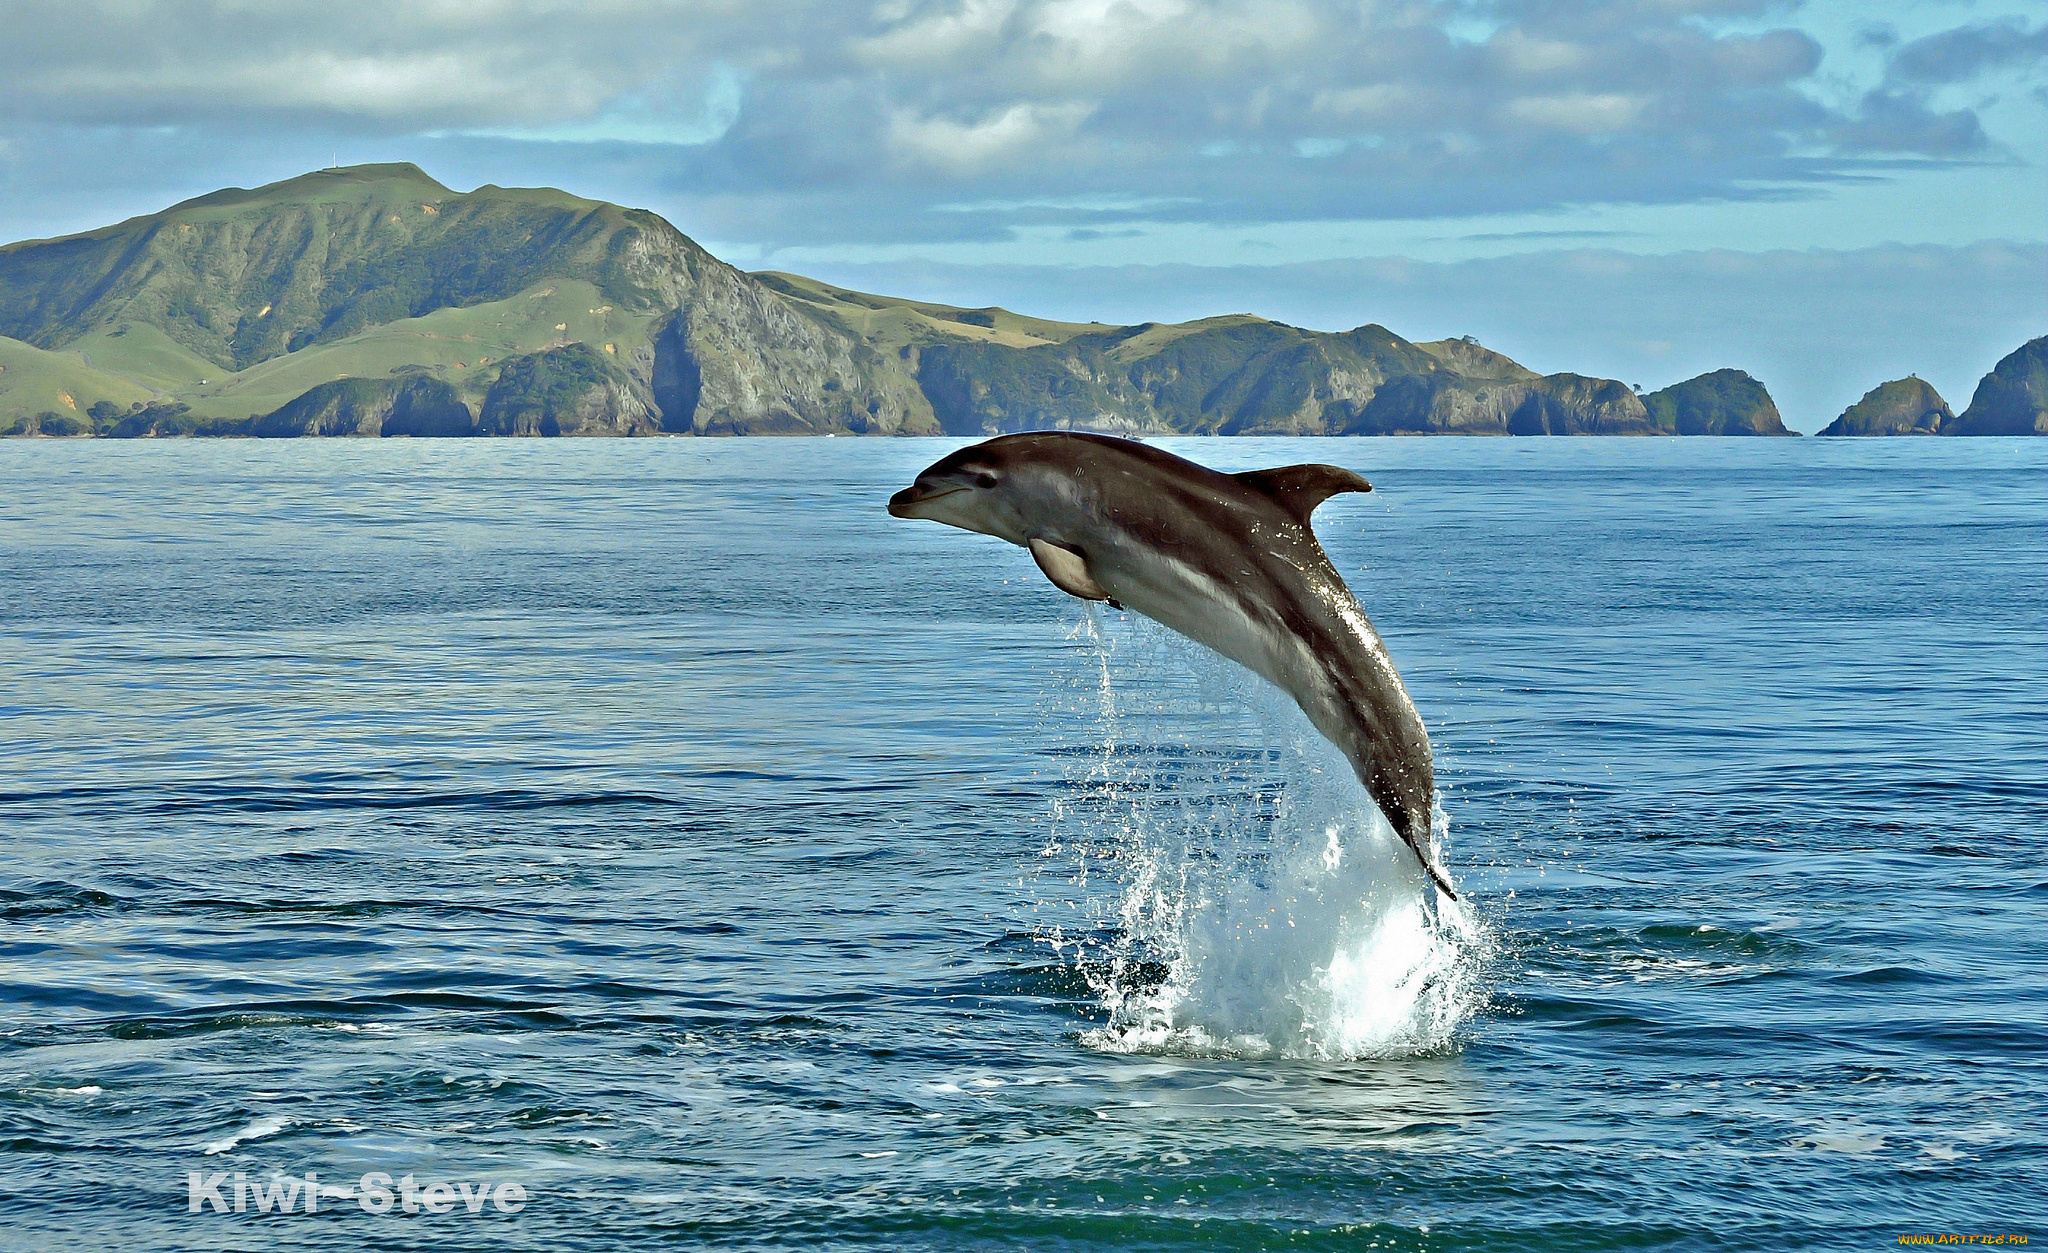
[{"x": 374, "y": 301}]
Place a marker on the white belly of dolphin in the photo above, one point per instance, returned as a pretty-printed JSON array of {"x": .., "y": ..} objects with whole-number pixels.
[{"x": 1190, "y": 601}]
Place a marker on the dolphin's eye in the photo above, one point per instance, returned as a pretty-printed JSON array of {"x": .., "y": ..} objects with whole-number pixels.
[{"x": 984, "y": 479}]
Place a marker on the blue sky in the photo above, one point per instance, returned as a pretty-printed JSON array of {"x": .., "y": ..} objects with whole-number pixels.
[{"x": 1827, "y": 194}]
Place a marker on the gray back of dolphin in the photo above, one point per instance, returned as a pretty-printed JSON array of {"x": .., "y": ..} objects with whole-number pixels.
[{"x": 1227, "y": 560}]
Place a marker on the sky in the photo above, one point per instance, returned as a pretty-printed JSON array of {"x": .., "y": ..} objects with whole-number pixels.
[{"x": 1827, "y": 194}]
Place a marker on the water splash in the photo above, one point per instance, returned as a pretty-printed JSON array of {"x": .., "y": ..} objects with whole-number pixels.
[{"x": 1258, "y": 904}]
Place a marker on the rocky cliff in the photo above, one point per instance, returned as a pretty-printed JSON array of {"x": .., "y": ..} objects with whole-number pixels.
[
  {"x": 2012, "y": 399},
  {"x": 1247, "y": 376},
  {"x": 414, "y": 405},
  {"x": 571, "y": 390}
]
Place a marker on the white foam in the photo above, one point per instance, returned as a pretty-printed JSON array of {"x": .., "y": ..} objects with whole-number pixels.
[
  {"x": 1855, "y": 1141},
  {"x": 1289, "y": 918},
  {"x": 258, "y": 1130}
]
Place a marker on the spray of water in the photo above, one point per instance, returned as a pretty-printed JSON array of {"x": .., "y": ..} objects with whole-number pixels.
[{"x": 1258, "y": 903}]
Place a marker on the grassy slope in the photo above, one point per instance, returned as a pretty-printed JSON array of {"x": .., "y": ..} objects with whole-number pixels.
[
  {"x": 459, "y": 345},
  {"x": 890, "y": 323},
  {"x": 1154, "y": 337},
  {"x": 35, "y": 381},
  {"x": 139, "y": 351},
  {"x": 1477, "y": 362}
]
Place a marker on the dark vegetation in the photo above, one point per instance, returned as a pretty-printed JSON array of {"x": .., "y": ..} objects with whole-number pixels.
[
  {"x": 1725, "y": 402},
  {"x": 561, "y": 391}
]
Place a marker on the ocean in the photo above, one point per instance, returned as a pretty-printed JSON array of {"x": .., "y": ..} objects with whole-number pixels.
[{"x": 651, "y": 843}]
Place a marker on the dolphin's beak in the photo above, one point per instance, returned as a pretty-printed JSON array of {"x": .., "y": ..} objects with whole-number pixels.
[{"x": 902, "y": 504}]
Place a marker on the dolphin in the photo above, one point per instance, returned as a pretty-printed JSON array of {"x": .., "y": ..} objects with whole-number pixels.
[{"x": 1227, "y": 560}]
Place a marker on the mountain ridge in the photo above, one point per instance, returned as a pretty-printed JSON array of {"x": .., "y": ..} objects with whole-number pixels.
[{"x": 227, "y": 309}]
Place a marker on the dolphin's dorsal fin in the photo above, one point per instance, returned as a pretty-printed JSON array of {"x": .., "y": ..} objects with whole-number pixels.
[
  {"x": 1299, "y": 489},
  {"x": 1067, "y": 569}
]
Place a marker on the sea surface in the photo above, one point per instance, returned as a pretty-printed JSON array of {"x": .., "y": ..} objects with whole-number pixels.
[{"x": 660, "y": 829}]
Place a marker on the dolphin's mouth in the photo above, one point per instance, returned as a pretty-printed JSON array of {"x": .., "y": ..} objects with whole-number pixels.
[{"x": 910, "y": 497}]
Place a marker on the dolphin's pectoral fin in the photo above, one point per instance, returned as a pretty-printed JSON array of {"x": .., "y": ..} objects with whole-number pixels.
[
  {"x": 1299, "y": 489},
  {"x": 1068, "y": 570}
]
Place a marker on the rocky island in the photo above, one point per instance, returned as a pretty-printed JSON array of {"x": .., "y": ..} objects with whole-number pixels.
[
  {"x": 1907, "y": 406},
  {"x": 2012, "y": 399},
  {"x": 1725, "y": 402}
]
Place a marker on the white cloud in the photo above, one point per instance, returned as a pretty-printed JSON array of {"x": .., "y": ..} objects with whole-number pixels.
[
  {"x": 1525, "y": 54},
  {"x": 855, "y": 119},
  {"x": 912, "y": 41},
  {"x": 372, "y": 87},
  {"x": 1376, "y": 102},
  {"x": 1580, "y": 112},
  {"x": 1001, "y": 136},
  {"x": 654, "y": 116}
]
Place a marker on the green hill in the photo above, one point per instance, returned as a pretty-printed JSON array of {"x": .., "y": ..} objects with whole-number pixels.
[
  {"x": 1724, "y": 402},
  {"x": 238, "y": 277},
  {"x": 1907, "y": 406},
  {"x": 373, "y": 300},
  {"x": 2012, "y": 399},
  {"x": 54, "y": 393},
  {"x": 237, "y": 303}
]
